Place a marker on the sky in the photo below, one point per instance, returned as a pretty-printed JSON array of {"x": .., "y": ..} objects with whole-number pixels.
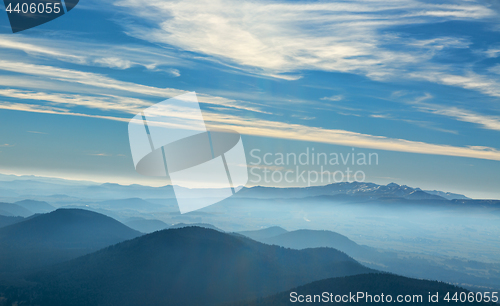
[{"x": 416, "y": 82}]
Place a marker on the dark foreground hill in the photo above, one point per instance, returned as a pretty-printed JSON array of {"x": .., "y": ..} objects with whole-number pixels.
[
  {"x": 370, "y": 287},
  {"x": 187, "y": 266},
  {"x": 55, "y": 237}
]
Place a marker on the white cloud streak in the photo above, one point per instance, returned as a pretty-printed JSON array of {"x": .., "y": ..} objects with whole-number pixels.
[
  {"x": 106, "y": 103},
  {"x": 273, "y": 129},
  {"x": 333, "y": 98},
  {"x": 86, "y": 78},
  {"x": 493, "y": 52},
  {"x": 33, "y": 108},
  {"x": 101, "y": 81},
  {"x": 283, "y": 130},
  {"x": 113, "y": 62},
  {"x": 495, "y": 69},
  {"x": 253, "y": 126},
  {"x": 484, "y": 121},
  {"x": 487, "y": 85},
  {"x": 93, "y": 54},
  {"x": 280, "y": 37}
]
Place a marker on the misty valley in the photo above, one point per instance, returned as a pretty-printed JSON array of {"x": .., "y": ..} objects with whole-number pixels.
[{"x": 82, "y": 243}]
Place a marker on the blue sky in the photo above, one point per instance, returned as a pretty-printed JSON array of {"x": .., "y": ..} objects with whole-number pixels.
[{"x": 418, "y": 82}]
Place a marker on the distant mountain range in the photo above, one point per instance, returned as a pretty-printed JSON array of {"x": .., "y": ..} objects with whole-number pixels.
[
  {"x": 12, "y": 186},
  {"x": 111, "y": 199},
  {"x": 186, "y": 266},
  {"x": 55, "y": 237},
  {"x": 352, "y": 189}
]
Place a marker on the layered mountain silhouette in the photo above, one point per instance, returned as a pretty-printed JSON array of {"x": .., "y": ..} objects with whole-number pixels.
[
  {"x": 186, "y": 266},
  {"x": 303, "y": 239},
  {"x": 368, "y": 284},
  {"x": 24, "y": 252},
  {"x": 55, "y": 237},
  {"x": 132, "y": 203},
  {"x": 345, "y": 188},
  {"x": 37, "y": 207},
  {"x": 203, "y": 225},
  {"x": 264, "y": 233},
  {"x": 146, "y": 225},
  {"x": 389, "y": 261},
  {"x": 14, "y": 210},
  {"x": 45, "y": 186}
]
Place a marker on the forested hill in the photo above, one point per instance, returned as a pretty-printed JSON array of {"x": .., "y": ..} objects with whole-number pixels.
[{"x": 186, "y": 266}]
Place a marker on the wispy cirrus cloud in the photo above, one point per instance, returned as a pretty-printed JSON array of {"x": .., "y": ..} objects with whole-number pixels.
[
  {"x": 333, "y": 98},
  {"x": 495, "y": 69},
  {"x": 102, "y": 81},
  {"x": 282, "y": 37},
  {"x": 245, "y": 125},
  {"x": 86, "y": 78},
  {"x": 114, "y": 62},
  {"x": 256, "y": 127},
  {"x": 95, "y": 54},
  {"x": 7, "y": 42},
  {"x": 276, "y": 129},
  {"x": 283, "y": 130},
  {"x": 488, "y": 85},
  {"x": 34, "y": 108},
  {"x": 106, "y": 103},
  {"x": 100, "y": 154},
  {"x": 485, "y": 121},
  {"x": 493, "y": 52}
]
